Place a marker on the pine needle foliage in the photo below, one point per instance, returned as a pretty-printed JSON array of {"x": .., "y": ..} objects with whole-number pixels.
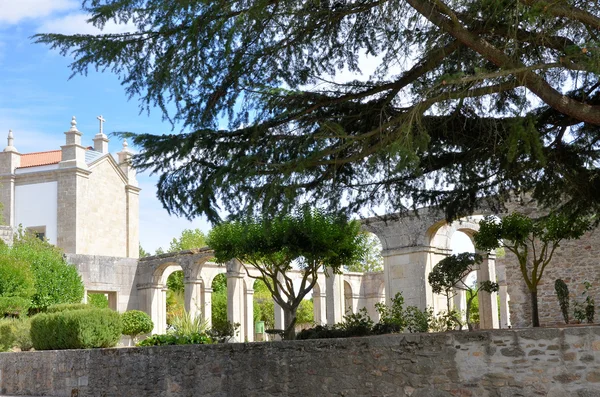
[{"x": 470, "y": 99}]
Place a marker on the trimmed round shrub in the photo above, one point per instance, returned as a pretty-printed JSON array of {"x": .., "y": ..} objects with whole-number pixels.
[
  {"x": 7, "y": 334},
  {"x": 76, "y": 329},
  {"x": 136, "y": 322}
]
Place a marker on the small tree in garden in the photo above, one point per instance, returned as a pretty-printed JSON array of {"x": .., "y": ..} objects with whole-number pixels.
[
  {"x": 532, "y": 241},
  {"x": 449, "y": 276},
  {"x": 16, "y": 287},
  {"x": 307, "y": 239},
  {"x": 136, "y": 322},
  {"x": 562, "y": 293}
]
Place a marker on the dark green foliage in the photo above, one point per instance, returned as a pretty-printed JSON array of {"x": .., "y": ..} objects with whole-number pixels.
[
  {"x": 393, "y": 319},
  {"x": 266, "y": 120},
  {"x": 16, "y": 286},
  {"x": 532, "y": 241},
  {"x": 585, "y": 311},
  {"x": 171, "y": 339},
  {"x": 311, "y": 238},
  {"x": 136, "y": 322},
  {"x": 76, "y": 329},
  {"x": 63, "y": 307},
  {"x": 562, "y": 293},
  {"x": 449, "y": 275},
  {"x": 223, "y": 331}
]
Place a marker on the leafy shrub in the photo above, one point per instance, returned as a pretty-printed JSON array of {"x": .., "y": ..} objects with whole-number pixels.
[
  {"x": 562, "y": 293},
  {"x": 222, "y": 332},
  {"x": 55, "y": 280},
  {"x": 185, "y": 324},
  {"x": 22, "y": 334},
  {"x": 16, "y": 286},
  {"x": 136, "y": 322},
  {"x": 15, "y": 333},
  {"x": 98, "y": 300},
  {"x": 76, "y": 329},
  {"x": 356, "y": 324},
  {"x": 64, "y": 307},
  {"x": 172, "y": 339},
  {"x": 7, "y": 334},
  {"x": 586, "y": 310},
  {"x": 392, "y": 317}
]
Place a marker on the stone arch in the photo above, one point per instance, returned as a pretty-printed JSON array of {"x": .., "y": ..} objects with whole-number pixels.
[{"x": 349, "y": 304}]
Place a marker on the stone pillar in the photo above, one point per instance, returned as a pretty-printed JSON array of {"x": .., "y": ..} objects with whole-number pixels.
[
  {"x": 72, "y": 193},
  {"x": 279, "y": 318},
  {"x": 249, "y": 315},
  {"x": 406, "y": 271},
  {"x": 133, "y": 202},
  {"x": 193, "y": 297},
  {"x": 319, "y": 308},
  {"x": 101, "y": 142},
  {"x": 207, "y": 306},
  {"x": 488, "y": 303},
  {"x": 335, "y": 298},
  {"x": 235, "y": 303},
  {"x": 151, "y": 303},
  {"x": 504, "y": 312},
  {"x": 10, "y": 159}
]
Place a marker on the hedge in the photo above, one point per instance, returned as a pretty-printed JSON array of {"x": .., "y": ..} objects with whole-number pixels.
[
  {"x": 63, "y": 307},
  {"x": 76, "y": 329}
]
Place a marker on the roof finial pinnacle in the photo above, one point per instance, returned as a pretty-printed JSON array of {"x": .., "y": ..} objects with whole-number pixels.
[{"x": 73, "y": 124}]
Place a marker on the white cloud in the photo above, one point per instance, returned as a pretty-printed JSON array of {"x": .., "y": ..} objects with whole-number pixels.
[
  {"x": 14, "y": 11},
  {"x": 76, "y": 23}
]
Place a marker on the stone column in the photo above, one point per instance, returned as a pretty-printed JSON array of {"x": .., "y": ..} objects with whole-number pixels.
[
  {"x": 319, "y": 308},
  {"x": 335, "y": 298},
  {"x": 193, "y": 297},
  {"x": 207, "y": 306},
  {"x": 279, "y": 318},
  {"x": 150, "y": 302},
  {"x": 235, "y": 303},
  {"x": 504, "y": 312},
  {"x": 249, "y": 315},
  {"x": 488, "y": 303}
]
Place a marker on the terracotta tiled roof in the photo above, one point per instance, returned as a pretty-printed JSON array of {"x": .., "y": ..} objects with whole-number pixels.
[{"x": 40, "y": 158}]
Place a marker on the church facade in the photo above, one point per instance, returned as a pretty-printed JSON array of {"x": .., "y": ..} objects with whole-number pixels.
[{"x": 78, "y": 197}]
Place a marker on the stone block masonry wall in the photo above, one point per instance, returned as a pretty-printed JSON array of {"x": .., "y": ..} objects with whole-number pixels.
[
  {"x": 500, "y": 363},
  {"x": 6, "y": 234}
]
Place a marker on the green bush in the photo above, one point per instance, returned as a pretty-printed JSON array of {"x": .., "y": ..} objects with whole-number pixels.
[
  {"x": 7, "y": 334},
  {"x": 16, "y": 286},
  {"x": 55, "y": 280},
  {"x": 64, "y": 307},
  {"x": 98, "y": 300},
  {"x": 76, "y": 329},
  {"x": 562, "y": 293},
  {"x": 15, "y": 333},
  {"x": 172, "y": 339},
  {"x": 136, "y": 322}
]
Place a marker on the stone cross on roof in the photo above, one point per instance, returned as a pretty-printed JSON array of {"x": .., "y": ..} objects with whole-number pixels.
[{"x": 101, "y": 124}]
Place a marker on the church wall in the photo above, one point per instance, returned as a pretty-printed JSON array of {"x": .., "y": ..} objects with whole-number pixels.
[
  {"x": 105, "y": 207},
  {"x": 36, "y": 206}
]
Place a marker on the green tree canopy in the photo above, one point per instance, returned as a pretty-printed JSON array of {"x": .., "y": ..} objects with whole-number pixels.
[
  {"x": 189, "y": 239},
  {"x": 532, "y": 241},
  {"x": 16, "y": 286},
  {"x": 450, "y": 276},
  {"x": 372, "y": 260},
  {"x": 469, "y": 98},
  {"x": 307, "y": 239}
]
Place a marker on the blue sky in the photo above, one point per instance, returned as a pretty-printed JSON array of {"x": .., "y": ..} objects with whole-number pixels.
[{"x": 37, "y": 100}]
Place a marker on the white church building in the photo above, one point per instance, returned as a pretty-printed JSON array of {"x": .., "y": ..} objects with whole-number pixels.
[{"x": 76, "y": 196}]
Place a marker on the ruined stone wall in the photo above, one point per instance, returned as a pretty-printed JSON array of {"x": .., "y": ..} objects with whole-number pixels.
[
  {"x": 109, "y": 274},
  {"x": 542, "y": 362},
  {"x": 6, "y": 234},
  {"x": 575, "y": 261}
]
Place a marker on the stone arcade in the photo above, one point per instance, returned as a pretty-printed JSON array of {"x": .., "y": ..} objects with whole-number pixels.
[{"x": 85, "y": 202}]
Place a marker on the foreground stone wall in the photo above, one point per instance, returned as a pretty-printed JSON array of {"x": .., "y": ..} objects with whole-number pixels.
[{"x": 501, "y": 363}]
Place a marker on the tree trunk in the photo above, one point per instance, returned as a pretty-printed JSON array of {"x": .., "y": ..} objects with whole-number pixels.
[
  {"x": 289, "y": 318},
  {"x": 535, "y": 318}
]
